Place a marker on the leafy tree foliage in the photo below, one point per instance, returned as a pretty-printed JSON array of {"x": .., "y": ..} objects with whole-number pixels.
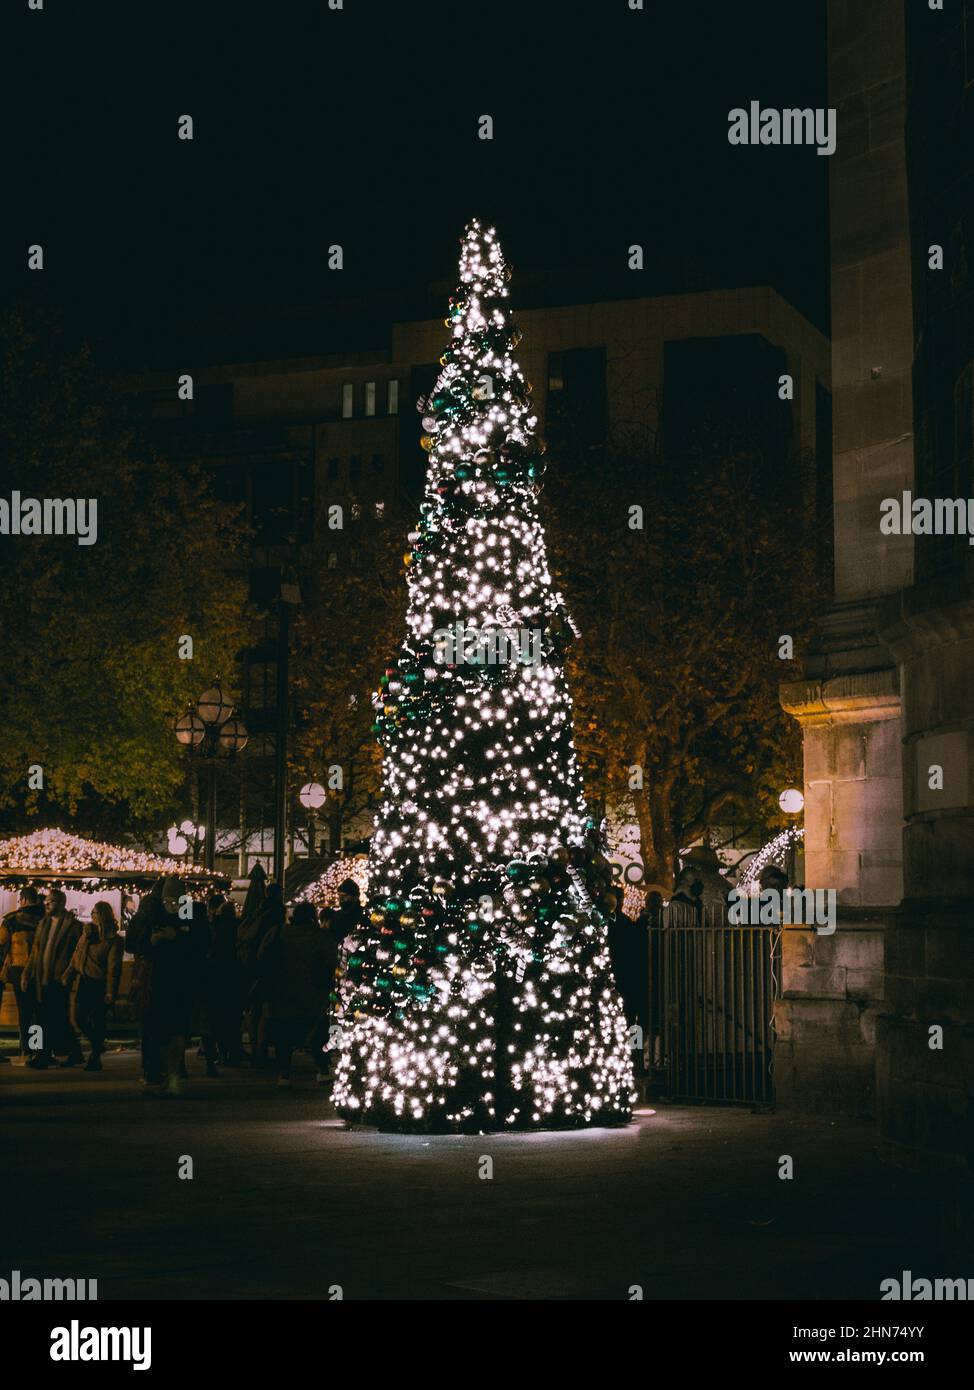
[
  {"x": 92, "y": 678},
  {"x": 345, "y": 634},
  {"x": 676, "y": 675}
]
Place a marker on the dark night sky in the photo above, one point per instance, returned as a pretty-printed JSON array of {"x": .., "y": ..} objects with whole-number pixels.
[{"x": 359, "y": 127}]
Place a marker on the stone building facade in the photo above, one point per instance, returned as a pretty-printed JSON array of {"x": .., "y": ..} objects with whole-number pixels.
[{"x": 879, "y": 1017}]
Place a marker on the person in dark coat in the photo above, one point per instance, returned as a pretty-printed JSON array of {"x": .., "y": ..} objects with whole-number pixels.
[
  {"x": 349, "y": 916},
  {"x": 319, "y": 1042},
  {"x": 194, "y": 915},
  {"x": 220, "y": 1015},
  {"x": 93, "y": 976},
  {"x": 17, "y": 932},
  {"x": 249, "y": 940},
  {"x": 629, "y": 954},
  {"x": 165, "y": 942},
  {"x": 51, "y": 951},
  {"x": 293, "y": 966},
  {"x": 648, "y": 922},
  {"x": 137, "y": 935}
]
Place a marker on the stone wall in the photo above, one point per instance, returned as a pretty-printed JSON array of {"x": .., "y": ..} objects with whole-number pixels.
[
  {"x": 926, "y": 1093},
  {"x": 833, "y": 989}
]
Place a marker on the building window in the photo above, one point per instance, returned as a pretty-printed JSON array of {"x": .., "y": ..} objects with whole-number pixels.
[
  {"x": 333, "y": 468},
  {"x": 355, "y": 468},
  {"x": 378, "y": 463},
  {"x": 714, "y": 401},
  {"x": 353, "y": 557},
  {"x": 380, "y": 510},
  {"x": 355, "y": 511},
  {"x": 392, "y": 400},
  {"x": 577, "y": 407},
  {"x": 272, "y": 500},
  {"x": 333, "y": 559},
  {"x": 370, "y": 398},
  {"x": 262, "y": 685},
  {"x": 348, "y": 400}
]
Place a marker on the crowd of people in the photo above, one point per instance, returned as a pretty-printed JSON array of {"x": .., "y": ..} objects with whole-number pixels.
[
  {"x": 197, "y": 970},
  {"x": 200, "y": 970}
]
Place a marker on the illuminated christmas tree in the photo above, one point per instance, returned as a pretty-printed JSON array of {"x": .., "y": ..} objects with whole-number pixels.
[{"x": 478, "y": 996}]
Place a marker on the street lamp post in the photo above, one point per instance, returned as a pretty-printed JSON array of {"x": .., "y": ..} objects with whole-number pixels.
[
  {"x": 210, "y": 731},
  {"x": 792, "y": 802},
  {"x": 289, "y": 596},
  {"x": 312, "y": 798}
]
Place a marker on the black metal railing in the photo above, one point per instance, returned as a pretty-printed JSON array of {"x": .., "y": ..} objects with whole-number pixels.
[{"x": 712, "y": 987}]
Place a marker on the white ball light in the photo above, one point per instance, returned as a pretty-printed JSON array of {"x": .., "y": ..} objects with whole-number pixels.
[{"x": 312, "y": 796}]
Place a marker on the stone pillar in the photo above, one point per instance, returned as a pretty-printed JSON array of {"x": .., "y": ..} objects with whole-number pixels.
[
  {"x": 833, "y": 985},
  {"x": 853, "y": 784},
  {"x": 872, "y": 306},
  {"x": 848, "y": 703}
]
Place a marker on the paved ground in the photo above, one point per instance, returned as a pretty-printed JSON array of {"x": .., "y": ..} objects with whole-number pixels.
[{"x": 286, "y": 1202}]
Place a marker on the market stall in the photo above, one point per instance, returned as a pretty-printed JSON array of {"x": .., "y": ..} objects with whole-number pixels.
[{"x": 88, "y": 871}]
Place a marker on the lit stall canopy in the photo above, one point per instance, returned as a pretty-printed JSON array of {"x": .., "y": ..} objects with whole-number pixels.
[
  {"x": 323, "y": 891},
  {"x": 88, "y": 870}
]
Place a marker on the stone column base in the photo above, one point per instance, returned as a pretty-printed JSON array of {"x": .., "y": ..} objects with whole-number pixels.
[{"x": 825, "y": 1021}]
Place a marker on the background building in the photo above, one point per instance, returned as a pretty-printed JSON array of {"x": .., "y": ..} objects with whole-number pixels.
[{"x": 292, "y": 437}]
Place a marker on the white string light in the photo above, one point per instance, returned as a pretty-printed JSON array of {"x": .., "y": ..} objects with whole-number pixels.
[{"x": 480, "y": 781}]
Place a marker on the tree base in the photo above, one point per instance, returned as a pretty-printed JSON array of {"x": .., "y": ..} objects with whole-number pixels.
[{"x": 388, "y": 1122}]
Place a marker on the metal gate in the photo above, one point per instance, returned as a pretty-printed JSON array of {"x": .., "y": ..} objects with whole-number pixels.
[{"x": 712, "y": 990}]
